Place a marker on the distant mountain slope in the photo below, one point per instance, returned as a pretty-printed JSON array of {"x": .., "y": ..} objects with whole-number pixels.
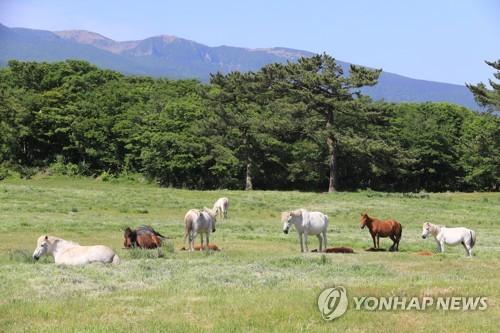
[
  {"x": 170, "y": 56},
  {"x": 37, "y": 45}
]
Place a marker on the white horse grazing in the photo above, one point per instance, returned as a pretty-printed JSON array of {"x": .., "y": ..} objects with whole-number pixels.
[
  {"x": 71, "y": 253},
  {"x": 199, "y": 222},
  {"x": 221, "y": 206},
  {"x": 306, "y": 223},
  {"x": 450, "y": 236}
]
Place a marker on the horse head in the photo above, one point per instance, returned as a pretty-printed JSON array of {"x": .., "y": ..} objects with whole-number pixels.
[
  {"x": 426, "y": 230},
  {"x": 286, "y": 218},
  {"x": 364, "y": 221},
  {"x": 213, "y": 216},
  {"x": 213, "y": 224},
  {"x": 44, "y": 246},
  {"x": 129, "y": 238}
]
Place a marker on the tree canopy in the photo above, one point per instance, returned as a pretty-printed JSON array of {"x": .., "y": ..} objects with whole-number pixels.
[
  {"x": 301, "y": 125},
  {"x": 489, "y": 98}
]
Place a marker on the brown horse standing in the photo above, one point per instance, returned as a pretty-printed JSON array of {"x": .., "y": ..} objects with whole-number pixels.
[
  {"x": 378, "y": 228},
  {"x": 144, "y": 237}
]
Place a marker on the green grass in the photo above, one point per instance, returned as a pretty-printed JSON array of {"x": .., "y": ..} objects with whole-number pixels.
[{"x": 259, "y": 282}]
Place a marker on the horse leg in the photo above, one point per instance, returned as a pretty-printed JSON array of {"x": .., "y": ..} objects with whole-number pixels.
[
  {"x": 441, "y": 246},
  {"x": 324, "y": 240},
  {"x": 374, "y": 243},
  {"x": 320, "y": 239},
  {"x": 208, "y": 239},
  {"x": 201, "y": 246},
  {"x": 394, "y": 240},
  {"x": 378, "y": 241},
  {"x": 192, "y": 237},
  {"x": 301, "y": 243},
  {"x": 305, "y": 242},
  {"x": 397, "y": 238},
  {"x": 468, "y": 249}
]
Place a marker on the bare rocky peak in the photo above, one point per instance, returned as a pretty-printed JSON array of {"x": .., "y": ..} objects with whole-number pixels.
[
  {"x": 290, "y": 54},
  {"x": 97, "y": 40},
  {"x": 82, "y": 36}
]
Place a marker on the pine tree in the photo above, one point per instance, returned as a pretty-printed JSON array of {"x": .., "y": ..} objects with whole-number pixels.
[
  {"x": 332, "y": 99},
  {"x": 489, "y": 98}
]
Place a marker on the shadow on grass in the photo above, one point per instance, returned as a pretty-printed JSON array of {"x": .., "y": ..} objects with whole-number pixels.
[
  {"x": 372, "y": 249},
  {"x": 26, "y": 256}
]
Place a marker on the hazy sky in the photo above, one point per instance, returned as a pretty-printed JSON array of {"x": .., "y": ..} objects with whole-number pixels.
[{"x": 440, "y": 40}]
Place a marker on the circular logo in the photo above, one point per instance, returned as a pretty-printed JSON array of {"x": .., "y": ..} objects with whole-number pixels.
[{"x": 332, "y": 302}]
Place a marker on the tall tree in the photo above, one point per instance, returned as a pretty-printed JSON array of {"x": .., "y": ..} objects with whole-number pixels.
[
  {"x": 480, "y": 152},
  {"x": 430, "y": 133},
  {"x": 243, "y": 121},
  {"x": 331, "y": 98},
  {"x": 489, "y": 98}
]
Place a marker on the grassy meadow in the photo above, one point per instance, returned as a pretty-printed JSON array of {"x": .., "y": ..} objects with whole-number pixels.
[{"x": 259, "y": 282}]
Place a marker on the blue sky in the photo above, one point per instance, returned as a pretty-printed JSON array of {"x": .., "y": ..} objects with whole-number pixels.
[{"x": 439, "y": 40}]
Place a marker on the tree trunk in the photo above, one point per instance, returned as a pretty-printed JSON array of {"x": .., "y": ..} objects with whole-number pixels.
[
  {"x": 248, "y": 178},
  {"x": 332, "y": 154},
  {"x": 248, "y": 173},
  {"x": 332, "y": 164}
]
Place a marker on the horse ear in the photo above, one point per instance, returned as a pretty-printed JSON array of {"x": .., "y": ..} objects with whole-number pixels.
[{"x": 46, "y": 237}]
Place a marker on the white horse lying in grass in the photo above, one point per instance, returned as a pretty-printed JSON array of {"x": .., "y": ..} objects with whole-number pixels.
[
  {"x": 450, "y": 236},
  {"x": 306, "y": 223},
  {"x": 71, "y": 253},
  {"x": 199, "y": 222}
]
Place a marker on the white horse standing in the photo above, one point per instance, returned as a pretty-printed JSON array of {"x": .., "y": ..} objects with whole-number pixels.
[
  {"x": 450, "y": 236},
  {"x": 221, "y": 206},
  {"x": 306, "y": 223},
  {"x": 71, "y": 253},
  {"x": 199, "y": 222}
]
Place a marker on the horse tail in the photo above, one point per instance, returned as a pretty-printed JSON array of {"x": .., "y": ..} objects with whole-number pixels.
[
  {"x": 160, "y": 235},
  {"x": 187, "y": 228},
  {"x": 150, "y": 229},
  {"x": 188, "y": 224},
  {"x": 116, "y": 260},
  {"x": 472, "y": 238}
]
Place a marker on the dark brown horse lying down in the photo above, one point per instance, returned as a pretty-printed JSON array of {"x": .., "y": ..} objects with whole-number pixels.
[
  {"x": 144, "y": 237},
  {"x": 211, "y": 246},
  {"x": 336, "y": 250}
]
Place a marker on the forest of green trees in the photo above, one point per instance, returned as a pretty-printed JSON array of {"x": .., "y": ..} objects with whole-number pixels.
[{"x": 301, "y": 126}]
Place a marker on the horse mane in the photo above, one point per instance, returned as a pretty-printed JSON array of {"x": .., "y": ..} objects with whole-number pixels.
[
  {"x": 437, "y": 225},
  {"x": 149, "y": 230},
  {"x": 211, "y": 212},
  {"x": 128, "y": 232},
  {"x": 52, "y": 239},
  {"x": 368, "y": 218}
]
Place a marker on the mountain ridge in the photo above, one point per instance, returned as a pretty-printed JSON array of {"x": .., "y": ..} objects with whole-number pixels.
[{"x": 176, "y": 57}]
